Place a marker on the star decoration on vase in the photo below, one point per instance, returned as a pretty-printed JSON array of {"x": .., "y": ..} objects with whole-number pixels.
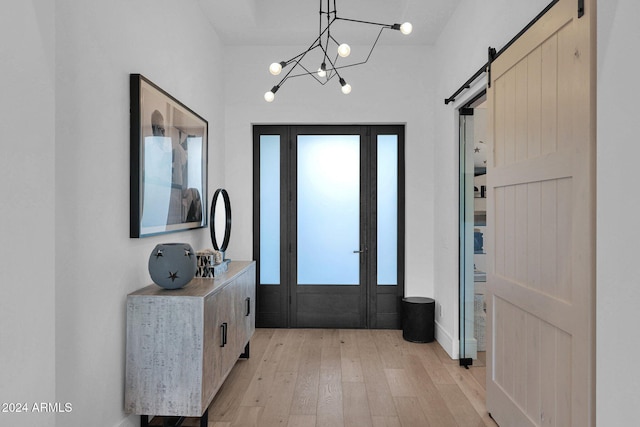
[
  {"x": 173, "y": 276},
  {"x": 159, "y": 253},
  {"x": 477, "y": 150}
]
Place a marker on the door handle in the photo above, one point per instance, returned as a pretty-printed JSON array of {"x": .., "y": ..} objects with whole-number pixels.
[{"x": 361, "y": 251}]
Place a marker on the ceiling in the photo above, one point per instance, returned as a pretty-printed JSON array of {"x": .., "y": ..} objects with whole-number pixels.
[{"x": 295, "y": 22}]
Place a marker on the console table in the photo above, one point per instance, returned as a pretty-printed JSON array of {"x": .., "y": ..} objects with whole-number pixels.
[{"x": 182, "y": 344}]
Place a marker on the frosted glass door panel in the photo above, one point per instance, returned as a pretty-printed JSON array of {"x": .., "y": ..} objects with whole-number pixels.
[
  {"x": 387, "y": 209},
  {"x": 269, "y": 209},
  {"x": 328, "y": 209}
]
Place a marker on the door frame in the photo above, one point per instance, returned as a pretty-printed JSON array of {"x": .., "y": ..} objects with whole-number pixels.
[
  {"x": 382, "y": 304},
  {"x": 475, "y": 90}
]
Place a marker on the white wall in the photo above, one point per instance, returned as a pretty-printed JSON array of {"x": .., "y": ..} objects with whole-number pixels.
[
  {"x": 395, "y": 86},
  {"x": 98, "y": 43},
  {"x": 461, "y": 50},
  {"x": 27, "y": 127},
  {"x": 618, "y": 237}
]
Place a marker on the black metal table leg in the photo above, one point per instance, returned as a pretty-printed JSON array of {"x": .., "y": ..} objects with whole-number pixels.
[
  {"x": 204, "y": 419},
  {"x": 172, "y": 421},
  {"x": 245, "y": 355}
]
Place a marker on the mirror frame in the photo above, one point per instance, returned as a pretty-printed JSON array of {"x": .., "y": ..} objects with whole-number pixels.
[{"x": 212, "y": 224}]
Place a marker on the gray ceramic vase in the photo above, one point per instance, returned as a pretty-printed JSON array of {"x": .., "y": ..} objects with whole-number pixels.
[{"x": 172, "y": 265}]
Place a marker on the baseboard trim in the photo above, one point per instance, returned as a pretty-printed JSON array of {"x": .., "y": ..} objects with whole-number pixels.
[{"x": 448, "y": 343}]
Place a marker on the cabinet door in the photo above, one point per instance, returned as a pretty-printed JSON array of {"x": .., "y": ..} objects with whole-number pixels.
[
  {"x": 247, "y": 308},
  {"x": 213, "y": 335},
  {"x": 164, "y": 356},
  {"x": 227, "y": 311}
]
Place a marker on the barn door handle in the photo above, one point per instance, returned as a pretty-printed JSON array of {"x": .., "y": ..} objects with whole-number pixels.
[{"x": 248, "y": 311}]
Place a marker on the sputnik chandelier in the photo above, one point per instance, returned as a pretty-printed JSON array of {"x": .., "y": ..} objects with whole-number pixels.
[{"x": 326, "y": 43}]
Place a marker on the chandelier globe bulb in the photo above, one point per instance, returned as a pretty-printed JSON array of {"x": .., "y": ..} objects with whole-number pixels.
[
  {"x": 275, "y": 68},
  {"x": 406, "y": 28},
  {"x": 269, "y": 96},
  {"x": 346, "y": 87},
  {"x": 322, "y": 71},
  {"x": 344, "y": 50}
]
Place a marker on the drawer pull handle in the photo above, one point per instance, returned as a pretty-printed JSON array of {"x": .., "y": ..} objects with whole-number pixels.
[
  {"x": 248, "y": 311},
  {"x": 223, "y": 334}
]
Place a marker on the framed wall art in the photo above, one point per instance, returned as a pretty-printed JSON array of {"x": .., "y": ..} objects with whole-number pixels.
[{"x": 168, "y": 162}]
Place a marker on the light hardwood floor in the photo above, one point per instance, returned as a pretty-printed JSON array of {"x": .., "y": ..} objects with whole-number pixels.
[{"x": 347, "y": 377}]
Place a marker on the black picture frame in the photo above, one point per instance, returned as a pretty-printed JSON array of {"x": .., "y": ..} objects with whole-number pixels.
[{"x": 169, "y": 146}]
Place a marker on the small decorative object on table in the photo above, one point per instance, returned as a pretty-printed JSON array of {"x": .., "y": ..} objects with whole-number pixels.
[
  {"x": 172, "y": 265},
  {"x": 218, "y": 269},
  {"x": 206, "y": 261},
  {"x": 210, "y": 263}
]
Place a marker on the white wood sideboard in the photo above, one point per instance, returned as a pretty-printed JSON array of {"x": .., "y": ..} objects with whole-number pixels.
[{"x": 182, "y": 344}]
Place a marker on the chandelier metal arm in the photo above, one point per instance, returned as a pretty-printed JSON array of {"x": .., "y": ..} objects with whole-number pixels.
[
  {"x": 310, "y": 73},
  {"x": 334, "y": 68},
  {"x": 368, "y": 56},
  {"x": 334, "y": 40},
  {"x": 302, "y": 54},
  {"x": 297, "y": 61},
  {"x": 316, "y": 43},
  {"x": 332, "y": 72},
  {"x": 392, "y": 26},
  {"x": 333, "y": 63}
]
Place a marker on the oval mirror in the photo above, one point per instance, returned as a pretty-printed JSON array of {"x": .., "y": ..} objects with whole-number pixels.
[{"x": 220, "y": 221}]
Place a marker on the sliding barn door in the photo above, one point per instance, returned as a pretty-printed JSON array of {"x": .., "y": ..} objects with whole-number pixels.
[{"x": 541, "y": 176}]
